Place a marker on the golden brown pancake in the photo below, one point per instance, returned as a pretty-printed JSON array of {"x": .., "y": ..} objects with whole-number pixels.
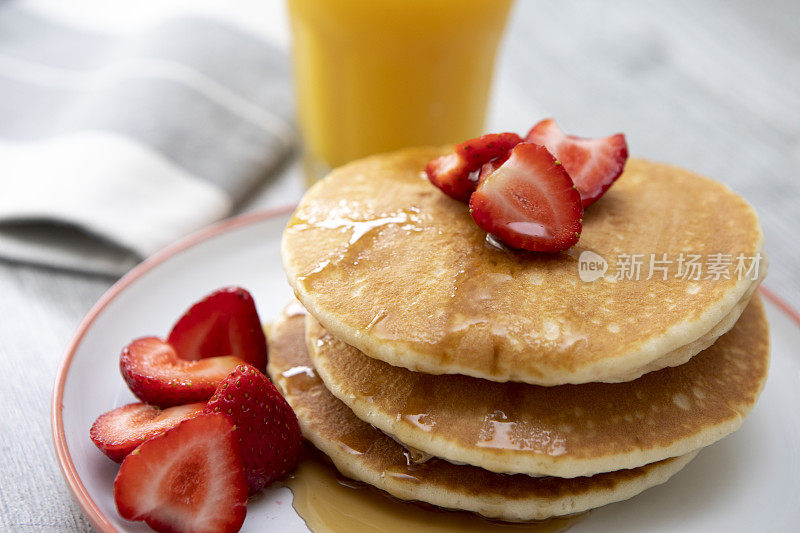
[
  {"x": 389, "y": 264},
  {"x": 564, "y": 431},
  {"x": 364, "y": 453}
]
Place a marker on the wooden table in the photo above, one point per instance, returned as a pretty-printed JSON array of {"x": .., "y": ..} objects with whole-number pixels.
[{"x": 711, "y": 85}]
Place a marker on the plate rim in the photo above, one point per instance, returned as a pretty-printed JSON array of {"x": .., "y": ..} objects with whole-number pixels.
[{"x": 74, "y": 483}]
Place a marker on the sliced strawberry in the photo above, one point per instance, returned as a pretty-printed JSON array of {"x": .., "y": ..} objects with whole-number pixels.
[
  {"x": 486, "y": 147},
  {"x": 268, "y": 430},
  {"x": 593, "y": 164},
  {"x": 451, "y": 173},
  {"x": 188, "y": 479},
  {"x": 156, "y": 375},
  {"x": 118, "y": 432},
  {"x": 490, "y": 167},
  {"x": 223, "y": 323},
  {"x": 529, "y": 202}
]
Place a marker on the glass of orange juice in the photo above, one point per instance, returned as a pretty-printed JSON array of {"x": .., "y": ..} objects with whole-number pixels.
[{"x": 377, "y": 75}]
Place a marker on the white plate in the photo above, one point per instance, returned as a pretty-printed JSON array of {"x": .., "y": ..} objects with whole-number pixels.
[{"x": 747, "y": 482}]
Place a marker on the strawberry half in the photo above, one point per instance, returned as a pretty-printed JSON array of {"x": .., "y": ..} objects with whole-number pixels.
[
  {"x": 593, "y": 164},
  {"x": 269, "y": 434},
  {"x": 451, "y": 173},
  {"x": 529, "y": 202},
  {"x": 490, "y": 167},
  {"x": 223, "y": 323},
  {"x": 156, "y": 375},
  {"x": 118, "y": 432},
  {"x": 188, "y": 479}
]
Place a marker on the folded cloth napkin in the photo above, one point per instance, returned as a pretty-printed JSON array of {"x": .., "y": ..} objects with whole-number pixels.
[{"x": 112, "y": 146}]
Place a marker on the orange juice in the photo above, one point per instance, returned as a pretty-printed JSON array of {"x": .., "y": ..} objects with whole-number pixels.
[{"x": 376, "y": 75}]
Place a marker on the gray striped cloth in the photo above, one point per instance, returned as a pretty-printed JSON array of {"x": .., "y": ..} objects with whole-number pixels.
[{"x": 111, "y": 146}]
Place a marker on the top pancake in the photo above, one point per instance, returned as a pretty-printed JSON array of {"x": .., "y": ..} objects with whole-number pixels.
[{"x": 393, "y": 267}]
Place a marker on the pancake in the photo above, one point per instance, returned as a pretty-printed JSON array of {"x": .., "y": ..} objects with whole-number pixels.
[
  {"x": 392, "y": 266},
  {"x": 564, "y": 431},
  {"x": 364, "y": 453}
]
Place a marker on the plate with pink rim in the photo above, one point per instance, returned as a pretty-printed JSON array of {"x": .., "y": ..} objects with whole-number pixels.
[{"x": 746, "y": 482}]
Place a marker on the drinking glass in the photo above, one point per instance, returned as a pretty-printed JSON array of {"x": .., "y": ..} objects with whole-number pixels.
[{"x": 376, "y": 75}]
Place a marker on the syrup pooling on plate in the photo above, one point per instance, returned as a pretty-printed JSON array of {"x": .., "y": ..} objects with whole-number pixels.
[{"x": 330, "y": 504}]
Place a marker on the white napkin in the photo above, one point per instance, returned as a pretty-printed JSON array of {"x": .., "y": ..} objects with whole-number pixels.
[{"x": 113, "y": 146}]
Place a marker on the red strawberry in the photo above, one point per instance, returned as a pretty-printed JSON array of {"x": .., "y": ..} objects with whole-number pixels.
[
  {"x": 188, "y": 479},
  {"x": 117, "y": 433},
  {"x": 451, "y": 173},
  {"x": 593, "y": 164},
  {"x": 268, "y": 431},
  {"x": 223, "y": 323},
  {"x": 529, "y": 202},
  {"x": 486, "y": 147},
  {"x": 156, "y": 375},
  {"x": 490, "y": 167}
]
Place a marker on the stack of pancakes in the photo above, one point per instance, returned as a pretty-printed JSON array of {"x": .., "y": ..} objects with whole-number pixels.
[{"x": 440, "y": 366}]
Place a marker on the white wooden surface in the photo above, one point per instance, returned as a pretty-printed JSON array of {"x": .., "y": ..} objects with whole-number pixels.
[{"x": 712, "y": 85}]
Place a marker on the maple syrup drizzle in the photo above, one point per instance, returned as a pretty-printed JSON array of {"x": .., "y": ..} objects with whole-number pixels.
[{"x": 329, "y": 503}]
